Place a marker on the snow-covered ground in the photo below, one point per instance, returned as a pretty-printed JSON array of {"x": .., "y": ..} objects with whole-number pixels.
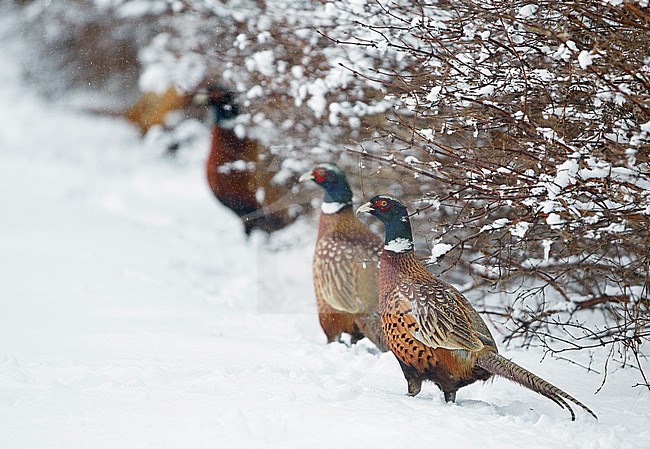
[{"x": 134, "y": 314}]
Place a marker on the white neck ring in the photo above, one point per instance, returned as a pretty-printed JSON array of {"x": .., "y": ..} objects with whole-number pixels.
[
  {"x": 399, "y": 245},
  {"x": 332, "y": 208}
]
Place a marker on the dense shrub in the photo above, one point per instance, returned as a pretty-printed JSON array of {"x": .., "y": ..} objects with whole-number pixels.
[{"x": 519, "y": 130}]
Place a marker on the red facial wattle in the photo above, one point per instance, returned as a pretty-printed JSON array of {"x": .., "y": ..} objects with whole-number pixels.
[
  {"x": 319, "y": 175},
  {"x": 381, "y": 205}
]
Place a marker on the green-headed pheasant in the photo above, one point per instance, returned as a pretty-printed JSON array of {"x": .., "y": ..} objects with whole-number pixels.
[
  {"x": 345, "y": 271},
  {"x": 431, "y": 328},
  {"x": 236, "y": 173}
]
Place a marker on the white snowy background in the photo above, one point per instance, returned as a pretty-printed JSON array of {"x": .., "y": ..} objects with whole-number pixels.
[{"x": 134, "y": 314}]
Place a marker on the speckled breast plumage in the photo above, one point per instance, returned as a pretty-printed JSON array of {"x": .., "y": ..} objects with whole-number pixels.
[{"x": 450, "y": 369}]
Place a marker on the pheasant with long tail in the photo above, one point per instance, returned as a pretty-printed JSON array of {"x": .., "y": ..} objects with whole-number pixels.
[{"x": 431, "y": 328}]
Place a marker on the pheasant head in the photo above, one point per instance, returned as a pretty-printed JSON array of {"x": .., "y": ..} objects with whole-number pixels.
[
  {"x": 332, "y": 180},
  {"x": 392, "y": 212},
  {"x": 220, "y": 100}
]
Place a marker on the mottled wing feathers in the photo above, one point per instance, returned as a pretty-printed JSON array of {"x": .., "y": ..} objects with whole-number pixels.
[
  {"x": 334, "y": 277},
  {"x": 442, "y": 321},
  {"x": 346, "y": 273}
]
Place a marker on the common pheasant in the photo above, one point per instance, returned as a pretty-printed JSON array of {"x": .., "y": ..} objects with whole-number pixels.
[
  {"x": 238, "y": 174},
  {"x": 345, "y": 271},
  {"x": 431, "y": 328},
  {"x": 152, "y": 108}
]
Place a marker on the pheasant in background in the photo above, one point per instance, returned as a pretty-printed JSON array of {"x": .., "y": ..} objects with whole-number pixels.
[
  {"x": 238, "y": 170},
  {"x": 152, "y": 108},
  {"x": 345, "y": 271},
  {"x": 431, "y": 328}
]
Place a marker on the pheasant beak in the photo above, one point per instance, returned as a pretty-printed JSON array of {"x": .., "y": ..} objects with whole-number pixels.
[
  {"x": 200, "y": 99},
  {"x": 367, "y": 208},
  {"x": 306, "y": 177}
]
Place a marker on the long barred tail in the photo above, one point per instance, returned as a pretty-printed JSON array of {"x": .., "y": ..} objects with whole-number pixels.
[{"x": 503, "y": 367}]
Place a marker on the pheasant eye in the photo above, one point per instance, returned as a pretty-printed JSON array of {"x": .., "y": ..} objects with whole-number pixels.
[{"x": 382, "y": 205}]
